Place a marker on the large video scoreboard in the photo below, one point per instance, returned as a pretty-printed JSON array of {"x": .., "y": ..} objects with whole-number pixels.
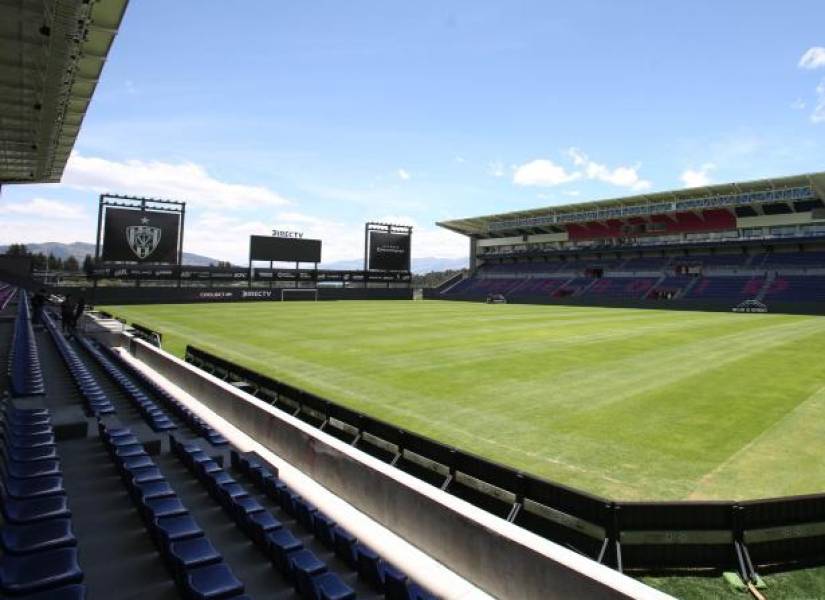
[
  {"x": 387, "y": 247},
  {"x": 284, "y": 249}
]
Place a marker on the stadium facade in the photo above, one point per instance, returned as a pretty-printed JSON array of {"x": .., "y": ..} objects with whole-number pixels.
[{"x": 710, "y": 247}]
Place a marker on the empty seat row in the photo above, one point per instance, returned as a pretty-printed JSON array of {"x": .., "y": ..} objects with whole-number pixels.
[
  {"x": 197, "y": 567},
  {"x": 370, "y": 566},
  {"x": 309, "y": 574},
  {"x": 25, "y": 374},
  {"x": 179, "y": 409},
  {"x": 97, "y": 403},
  {"x": 151, "y": 412},
  {"x": 39, "y": 547}
]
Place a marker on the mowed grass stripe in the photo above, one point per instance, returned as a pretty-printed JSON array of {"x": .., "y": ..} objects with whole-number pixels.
[{"x": 625, "y": 402}]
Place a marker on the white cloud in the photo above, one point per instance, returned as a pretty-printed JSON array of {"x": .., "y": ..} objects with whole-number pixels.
[
  {"x": 404, "y": 175},
  {"x": 225, "y": 237},
  {"x": 813, "y": 58},
  {"x": 460, "y": 160},
  {"x": 622, "y": 176},
  {"x": 697, "y": 177},
  {"x": 798, "y": 104},
  {"x": 572, "y": 193},
  {"x": 579, "y": 158},
  {"x": 430, "y": 241},
  {"x": 818, "y": 116},
  {"x": 496, "y": 168},
  {"x": 44, "y": 208},
  {"x": 185, "y": 181},
  {"x": 542, "y": 172}
]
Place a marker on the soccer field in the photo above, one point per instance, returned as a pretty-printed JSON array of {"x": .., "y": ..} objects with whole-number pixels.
[{"x": 632, "y": 404}]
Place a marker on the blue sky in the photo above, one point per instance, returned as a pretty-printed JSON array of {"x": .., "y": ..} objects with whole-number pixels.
[{"x": 320, "y": 115}]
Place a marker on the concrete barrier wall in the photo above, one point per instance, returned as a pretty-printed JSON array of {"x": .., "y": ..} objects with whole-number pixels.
[{"x": 504, "y": 560}]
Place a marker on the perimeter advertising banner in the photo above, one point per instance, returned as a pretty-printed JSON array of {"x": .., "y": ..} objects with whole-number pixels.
[
  {"x": 140, "y": 236},
  {"x": 389, "y": 251}
]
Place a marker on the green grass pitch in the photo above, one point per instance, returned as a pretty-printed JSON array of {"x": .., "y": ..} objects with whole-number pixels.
[{"x": 631, "y": 404}]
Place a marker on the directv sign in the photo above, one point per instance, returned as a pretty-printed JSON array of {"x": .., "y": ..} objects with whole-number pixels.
[{"x": 287, "y": 234}]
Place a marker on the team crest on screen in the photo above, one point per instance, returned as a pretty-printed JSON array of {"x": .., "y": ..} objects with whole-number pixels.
[{"x": 143, "y": 239}]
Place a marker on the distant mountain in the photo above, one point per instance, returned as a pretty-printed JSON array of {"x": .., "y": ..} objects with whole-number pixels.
[
  {"x": 419, "y": 265},
  {"x": 80, "y": 249}
]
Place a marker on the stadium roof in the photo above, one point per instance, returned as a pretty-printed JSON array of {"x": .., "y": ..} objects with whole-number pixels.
[
  {"x": 725, "y": 194},
  {"x": 51, "y": 56}
]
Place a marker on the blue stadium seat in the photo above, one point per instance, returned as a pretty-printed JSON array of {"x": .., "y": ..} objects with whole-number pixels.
[
  {"x": 191, "y": 553},
  {"x": 328, "y": 586},
  {"x": 173, "y": 529},
  {"x": 27, "y": 539},
  {"x": 345, "y": 544},
  {"x": 398, "y": 587},
  {"x": 132, "y": 464},
  {"x": 38, "y": 487},
  {"x": 38, "y": 572},
  {"x": 129, "y": 450},
  {"x": 124, "y": 440},
  {"x": 212, "y": 582},
  {"x": 370, "y": 566},
  {"x": 30, "y": 470},
  {"x": 68, "y": 592},
  {"x": 217, "y": 479},
  {"x": 258, "y": 524},
  {"x": 228, "y": 493},
  {"x": 287, "y": 499},
  {"x": 244, "y": 507},
  {"x": 272, "y": 488},
  {"x": 207, "y": 467},
  {"x": 151, "y": 490},
  {"x": 303, "y": 566},
  {"x": 145, "y": 475},
  {"x": 158, "y": 508},
  {"x": 324, "y": 530},
  {"x": 35, "y": 510},
  {"x": 24, "y": 429},
  {"x": 32, "y": 441},
  {"x": 33, "y": 454},
  {"x": 281, "y": 543},
  {"x": 305, "y": 513}
]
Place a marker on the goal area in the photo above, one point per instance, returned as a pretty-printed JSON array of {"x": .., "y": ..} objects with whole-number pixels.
[{"x": 292, "y": 294}]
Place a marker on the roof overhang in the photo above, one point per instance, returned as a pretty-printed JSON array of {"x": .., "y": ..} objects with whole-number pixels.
[
  {"x": 643, "y": 204},
  {"x": 51, "y": 57}
]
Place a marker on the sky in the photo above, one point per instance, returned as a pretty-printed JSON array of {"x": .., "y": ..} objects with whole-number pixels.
[{"x": 320, "y": 115}]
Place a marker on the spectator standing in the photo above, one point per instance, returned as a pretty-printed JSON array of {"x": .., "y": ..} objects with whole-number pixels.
[
  {"x": 67, "y": 313},
  {"x": 38, "y": 301},
  {"x": 78, "y": 311}
]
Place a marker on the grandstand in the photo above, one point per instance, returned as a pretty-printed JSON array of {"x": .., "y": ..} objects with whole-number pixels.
[
  {"x": 152, "y": 460},
  {"x": 706, "y": 248}
]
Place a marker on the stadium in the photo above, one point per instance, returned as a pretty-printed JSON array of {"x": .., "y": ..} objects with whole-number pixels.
[{"x": 616, "y": 398}]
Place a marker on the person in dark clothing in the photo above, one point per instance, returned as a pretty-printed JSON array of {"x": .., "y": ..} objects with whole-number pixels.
[
  {"x": 38, "y": 302},
  {"x": 78, "y": 311},
  {"x": 67, "y": 313}
]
